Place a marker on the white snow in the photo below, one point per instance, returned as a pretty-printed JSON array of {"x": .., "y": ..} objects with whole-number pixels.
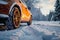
[
  {"x": 32, "y": 32},
  {"x": 48, "y": 23},
  {"x": 3, "y": 2}
]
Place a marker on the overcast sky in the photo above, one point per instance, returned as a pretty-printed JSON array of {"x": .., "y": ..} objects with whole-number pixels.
[{"x": 45, "y": 5}]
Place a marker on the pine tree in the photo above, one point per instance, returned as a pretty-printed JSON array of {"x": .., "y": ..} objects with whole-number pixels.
[{"x": 57, "y": 11}]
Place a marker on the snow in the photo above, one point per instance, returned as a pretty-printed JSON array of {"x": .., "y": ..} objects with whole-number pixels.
[
  {"x": 3, "y": 2},
  {"x": 48, "y": 23},
  {"x": 36, "y": 31},
  {"x": 4, "y": 15}
]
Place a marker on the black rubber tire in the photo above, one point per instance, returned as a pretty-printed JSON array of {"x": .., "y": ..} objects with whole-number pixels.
[
  {"x": 30, "y": 21},
  {"x": 9, "y": 21}
]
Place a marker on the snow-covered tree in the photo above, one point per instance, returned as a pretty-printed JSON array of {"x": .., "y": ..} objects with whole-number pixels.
[
  {"x": 51, "y": 16},
  {"x": 57, "y": 11}
]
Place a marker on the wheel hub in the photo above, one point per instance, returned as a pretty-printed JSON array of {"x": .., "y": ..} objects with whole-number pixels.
[{"x": 16, "y": 17}]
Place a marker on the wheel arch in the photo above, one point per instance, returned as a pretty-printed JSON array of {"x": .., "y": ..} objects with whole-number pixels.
[
  {"x": 18, "y": 8},
  {"x": 14, "y": 5}
]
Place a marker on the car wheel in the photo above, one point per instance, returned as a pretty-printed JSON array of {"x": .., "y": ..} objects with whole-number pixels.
[
  {"x": 14, "y": 19},
  {"x": 30, "y": 21}
]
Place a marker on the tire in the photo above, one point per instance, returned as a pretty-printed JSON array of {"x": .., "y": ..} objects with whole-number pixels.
[
  {"x": 30, "y": 21},
  {"x": 14, "y": 19}
]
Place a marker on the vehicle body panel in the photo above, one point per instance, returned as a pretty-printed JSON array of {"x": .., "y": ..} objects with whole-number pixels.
[{"x": 6, "y": 7}]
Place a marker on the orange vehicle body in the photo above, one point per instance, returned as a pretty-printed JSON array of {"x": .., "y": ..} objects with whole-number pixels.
[
  {"x": 24, "y": 10},
  {"x": 7, "y": 5}
]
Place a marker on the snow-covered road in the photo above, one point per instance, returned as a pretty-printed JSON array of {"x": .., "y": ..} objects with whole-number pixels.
[{"x": 38, "y": 30}]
